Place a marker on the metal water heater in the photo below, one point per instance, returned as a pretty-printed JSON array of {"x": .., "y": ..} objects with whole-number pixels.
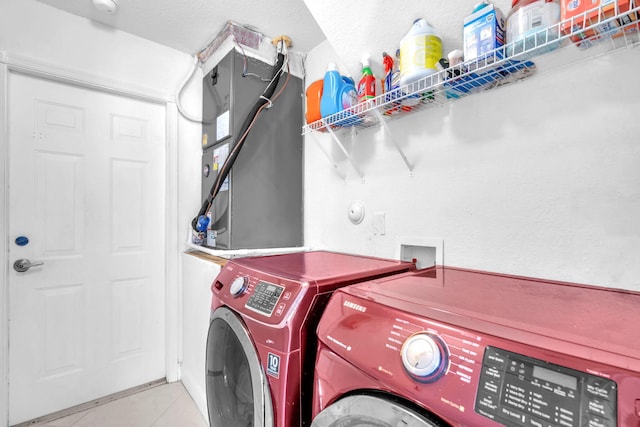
[{"x": 260, "y": 203}]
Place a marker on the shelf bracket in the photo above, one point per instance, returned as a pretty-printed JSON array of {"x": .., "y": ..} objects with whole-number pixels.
[
  {"x": 342, "y": 148},
  {"x": 387, "y": 131},
  {"x": 336, "y": 168}
]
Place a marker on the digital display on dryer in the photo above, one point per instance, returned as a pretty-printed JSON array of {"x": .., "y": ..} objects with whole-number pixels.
[
  {"x": 264, "y": 298},
  {"x": 545, "y": 374}
]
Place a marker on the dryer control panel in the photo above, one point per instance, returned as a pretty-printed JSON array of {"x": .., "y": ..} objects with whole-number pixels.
[
  {"x": 517, "y": 390},
  {"x": 264, "y": 298}
]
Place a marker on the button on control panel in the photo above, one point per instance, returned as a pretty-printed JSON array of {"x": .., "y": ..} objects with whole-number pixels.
[{"x": 517, "y": 390}]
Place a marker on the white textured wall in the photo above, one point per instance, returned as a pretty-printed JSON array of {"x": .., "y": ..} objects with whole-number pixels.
[
  {"x": 537, "y": 178},
  {"x": 197, "y": 276},
  {"x": 43, "y": 33}
]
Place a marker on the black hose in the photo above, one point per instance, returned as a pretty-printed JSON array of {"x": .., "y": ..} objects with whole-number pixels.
[{"x": 244, "y": 132}]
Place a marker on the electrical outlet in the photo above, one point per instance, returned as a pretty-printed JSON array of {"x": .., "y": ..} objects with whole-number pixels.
[{"x": 379, "y": 223}]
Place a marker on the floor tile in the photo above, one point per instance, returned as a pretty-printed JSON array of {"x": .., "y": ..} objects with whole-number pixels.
[
  {"x": 183, "y": 412},
  {"x": 167, "y": 405},
  {"x": 67, "y": 421},
  {"x": 139, "y": 410}
]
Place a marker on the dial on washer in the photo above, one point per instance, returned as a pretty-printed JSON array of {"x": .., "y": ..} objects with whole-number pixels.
[
  {"x": 424, "y": 357},
  {"x": 239, "y": 286}
]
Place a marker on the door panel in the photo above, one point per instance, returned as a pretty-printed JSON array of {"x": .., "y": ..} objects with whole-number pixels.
[
  {"x": 61, "y": 315},
  {"x": 86, "y": 186},
  {"x": 59, "y": 195}
]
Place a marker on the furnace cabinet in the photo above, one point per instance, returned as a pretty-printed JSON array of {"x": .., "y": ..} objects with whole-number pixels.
[{"x": 260, "y": 205}]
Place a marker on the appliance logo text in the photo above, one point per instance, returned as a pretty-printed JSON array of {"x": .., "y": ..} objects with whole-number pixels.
[{"x": 355, "y": 306}]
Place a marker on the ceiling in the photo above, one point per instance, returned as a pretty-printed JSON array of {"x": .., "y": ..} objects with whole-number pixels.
[
  {"x": 189, "y": 25},
  {"x": 353, "y": 28}
]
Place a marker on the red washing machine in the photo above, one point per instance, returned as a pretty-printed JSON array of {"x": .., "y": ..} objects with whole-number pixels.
[
  {"x": 261, "y": 342},
  {"x": 453, "y": 347}
]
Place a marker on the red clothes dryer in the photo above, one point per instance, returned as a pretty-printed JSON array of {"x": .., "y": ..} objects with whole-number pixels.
[
  {"x": 261, "y": 341},
  {"x": 453, "y": 347}
]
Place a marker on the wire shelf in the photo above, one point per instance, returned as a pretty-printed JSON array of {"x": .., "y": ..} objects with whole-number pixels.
[{"x": 602, "y": 29}]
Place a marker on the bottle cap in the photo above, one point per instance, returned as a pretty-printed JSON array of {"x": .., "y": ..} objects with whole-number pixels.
[
  {"x": 365, "y": 61},
  {"x": 480, "y": 5},
  {"x": 331, "y": 66},
  {"x": 455, "y": 57},
  {"x": 420, "y": 23}
]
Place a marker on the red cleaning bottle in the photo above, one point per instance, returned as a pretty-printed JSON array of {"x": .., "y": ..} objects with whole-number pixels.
[
  {"x": 387, "y": 61},
  {"x": 367, "y": 84}
]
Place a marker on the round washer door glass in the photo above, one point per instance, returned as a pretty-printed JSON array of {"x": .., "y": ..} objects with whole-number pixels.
[
  {"x": 372, "y": 411},
  {"x": 237, "y": 392}
]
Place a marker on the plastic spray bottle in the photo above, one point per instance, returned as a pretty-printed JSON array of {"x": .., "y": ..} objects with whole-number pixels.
[
  {"x": 391, "y": 82},
  {"x": 367, "y": 84},
  {"x": 387, "y": 62}
]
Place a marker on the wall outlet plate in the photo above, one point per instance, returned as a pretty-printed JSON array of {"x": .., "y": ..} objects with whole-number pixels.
[
  {"x": 379, "y": 226},
  {"x": 425, "y": 251}
]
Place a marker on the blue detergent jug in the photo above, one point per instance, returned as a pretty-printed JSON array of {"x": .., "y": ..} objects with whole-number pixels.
[{"x": 338, "y": 94}]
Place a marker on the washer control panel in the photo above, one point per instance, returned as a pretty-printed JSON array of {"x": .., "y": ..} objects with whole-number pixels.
[
  {"x": 264, "y": 298},
  {"x": 517, "y": 390}
]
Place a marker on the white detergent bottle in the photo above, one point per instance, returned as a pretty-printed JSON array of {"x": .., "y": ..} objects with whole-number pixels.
[{"x": 420, "y": 51}]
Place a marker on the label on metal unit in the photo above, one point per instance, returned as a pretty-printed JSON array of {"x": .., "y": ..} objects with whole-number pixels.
[{"x": 273, "y": 365}]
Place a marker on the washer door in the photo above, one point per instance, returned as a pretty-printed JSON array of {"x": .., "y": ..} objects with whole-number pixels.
[
  {"x": 371, "y": 411},
  {"x": 237, "y": 390}
]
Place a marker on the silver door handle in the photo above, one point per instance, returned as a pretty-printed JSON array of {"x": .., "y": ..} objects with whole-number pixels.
[{"x": 24, "y": 264}]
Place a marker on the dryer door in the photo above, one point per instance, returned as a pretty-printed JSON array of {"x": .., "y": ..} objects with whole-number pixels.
[
  {"x": 237, "y": 390},
  {"x": 371, "y": 411}
]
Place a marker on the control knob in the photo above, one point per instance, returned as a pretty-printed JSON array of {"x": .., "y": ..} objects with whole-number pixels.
[
  {"x": 239, "y": 286},
  {"x": 424, "y": 357}
]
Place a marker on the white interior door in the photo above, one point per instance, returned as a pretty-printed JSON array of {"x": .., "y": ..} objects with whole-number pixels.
[{"x": 86, "y": 187}]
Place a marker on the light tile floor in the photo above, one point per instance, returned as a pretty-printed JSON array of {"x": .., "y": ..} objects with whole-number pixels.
[{"x": 167, "y": 405}]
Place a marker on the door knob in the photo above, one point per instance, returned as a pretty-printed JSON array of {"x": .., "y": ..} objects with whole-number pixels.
[{"x": 24, "y": 264}]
